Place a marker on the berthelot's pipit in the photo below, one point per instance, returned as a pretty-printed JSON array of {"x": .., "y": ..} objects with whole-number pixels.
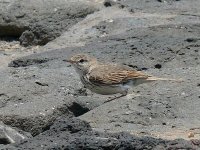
[{"x": 108, "y": 78}]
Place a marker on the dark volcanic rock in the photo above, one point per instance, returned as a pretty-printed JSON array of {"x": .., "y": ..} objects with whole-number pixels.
[
  {"x": 154, "y": 48},
  {"x": 159, "y": 6},
  {"x": 31, "y": 99},
  {"x": 38, "y": 22},
  {"x": 21, "y": 63},
  {"x": 78, "y": 135},
  {"x": 10, "y": 135}
]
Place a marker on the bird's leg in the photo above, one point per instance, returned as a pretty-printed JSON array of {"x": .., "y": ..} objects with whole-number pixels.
[{"x": 122, "y": 95}]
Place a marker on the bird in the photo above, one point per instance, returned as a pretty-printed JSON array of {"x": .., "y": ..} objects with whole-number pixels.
[{"x": 109, "y": 78}]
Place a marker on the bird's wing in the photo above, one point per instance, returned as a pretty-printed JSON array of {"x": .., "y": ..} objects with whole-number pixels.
[{"x": 106, "y": 74}]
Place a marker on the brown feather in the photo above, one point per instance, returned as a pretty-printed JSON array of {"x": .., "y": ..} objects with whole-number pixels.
[{"x": 114, "y": 74}]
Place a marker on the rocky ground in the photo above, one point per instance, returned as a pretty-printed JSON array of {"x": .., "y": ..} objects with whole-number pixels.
[{"x": 43, "y": 105}]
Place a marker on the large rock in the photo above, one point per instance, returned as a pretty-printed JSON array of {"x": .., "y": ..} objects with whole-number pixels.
[
  {"x": 76, "y": 134},
  {"x": 160, "y": 6},
  {"x": 38, "y": 22},
  {"x": 118, "y": 20},
  {"x": 32, "y": 101},
  {"x": 46, "y": 82},
  {"x": 38, "y": 89},
  {"x": 10, "y": 135}
]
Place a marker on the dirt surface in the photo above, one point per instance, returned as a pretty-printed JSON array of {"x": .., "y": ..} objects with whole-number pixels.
[{"x": 158, "y": 37}]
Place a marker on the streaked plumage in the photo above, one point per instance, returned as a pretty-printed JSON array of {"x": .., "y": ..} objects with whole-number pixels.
[{"x": 108, "y": 78}]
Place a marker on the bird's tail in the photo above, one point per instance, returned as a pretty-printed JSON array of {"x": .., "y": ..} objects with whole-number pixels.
[{"x": 151, "y": 78}]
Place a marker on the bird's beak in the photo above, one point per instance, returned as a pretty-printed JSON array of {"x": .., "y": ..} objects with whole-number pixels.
[{"x": 69, "y": 61}]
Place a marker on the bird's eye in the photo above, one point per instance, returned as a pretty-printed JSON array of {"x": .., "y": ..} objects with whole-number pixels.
[{"x": 82, "y": 60}]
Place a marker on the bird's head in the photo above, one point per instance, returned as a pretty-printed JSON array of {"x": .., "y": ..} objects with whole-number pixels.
[{"x": 82, "y": 62}]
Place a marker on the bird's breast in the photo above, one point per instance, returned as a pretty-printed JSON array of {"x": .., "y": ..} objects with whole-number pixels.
[{"x": 104, "y": 89}]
